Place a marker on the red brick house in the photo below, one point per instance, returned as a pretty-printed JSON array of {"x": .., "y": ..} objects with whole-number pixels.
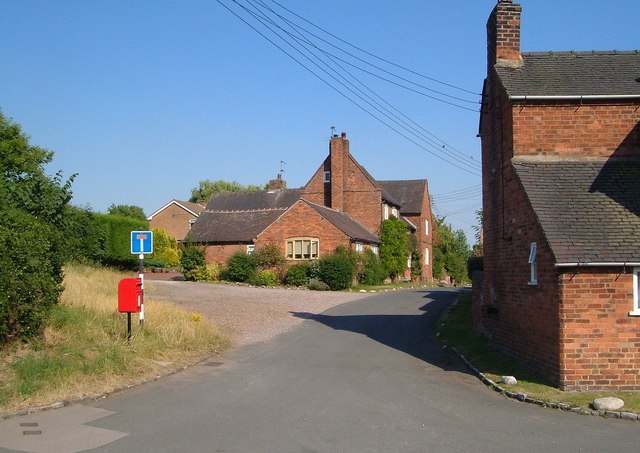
[
  {"x": 342, "y": 204},
  {"x": 176, "y": 218},
  {"x": 561, "y": 201}
]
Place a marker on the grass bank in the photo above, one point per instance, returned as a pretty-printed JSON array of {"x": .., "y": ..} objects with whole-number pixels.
[
  {"x": 456, "y": 329},
  {"x": 84, "y": 349}
]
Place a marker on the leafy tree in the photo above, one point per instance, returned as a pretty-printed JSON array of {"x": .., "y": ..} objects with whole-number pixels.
[
  {"x": 207, "y": 187},
  {"x": 32, "y": 246},
  {"x": 394, "y": 248},
  {"x": 372, "y": 270},
  {"x": 478, "y": 249},
  {"x": 450, "y": 251},
  {"x": 85, "y": 237},
  {"x": 125, "y": 210}
]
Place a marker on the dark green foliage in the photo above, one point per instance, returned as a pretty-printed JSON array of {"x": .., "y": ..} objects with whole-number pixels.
[
  {"x": 125, "y": 210},
  {"x": 32, "y": 249},
  {"x": 297, "y": 275},
  {"x": 265, "y": 278},
  {"x": 394, "y": 249},
  {"x": 474, "y": 263},
  {"x": 269, "y": 257},
  {"x": 118, "y": 234},
  {"x": 450, "y": 251},
  {"x": 85, "y": 238},
  {"x": 241, "y": 267},
  {"x": 372, "y": 270},
  {"x": 192, "y": 258},
  {"x": 337, "y": 271},
  {"x": 416, "y": 264}
]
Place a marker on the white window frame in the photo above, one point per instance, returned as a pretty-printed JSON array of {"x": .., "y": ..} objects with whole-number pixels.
[
  {"x": 250, "y": 249},
  {"x": 191, "y": 222},
  {"x": 385, "y": 214},
  {"x": 327, "y": 176},
  {"x": 533, "y": 263},
  {"x": 426, "y": 227},
  {"x": 359, "y": 247},
  {"x": 636, "y": 293},
  {"x": 302, "y": 248},
  {"x": 394, "y": 212},
  {"x": 374, "y": 249},
  {"x": 426, "y": 256}
]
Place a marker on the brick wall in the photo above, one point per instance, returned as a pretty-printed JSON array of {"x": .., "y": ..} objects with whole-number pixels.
[
  {"x": 302, "y": 221},
  {"x": 570, "y": 130},
  {"x": 220, "y": 253},
  {"x": 174, "y": 220},
  {"x": 600, "y": 346}
]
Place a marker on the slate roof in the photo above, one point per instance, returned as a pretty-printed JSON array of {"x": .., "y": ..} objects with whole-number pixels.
[
  {"x": 589, "y": 209},
  {"x": 386, "y": 196},
  {"x": 247, "y": 201},
  {"x": 409, "y": 193},
  {"x": 349, "y": 226},
  {"x": 232, "y": 226},
  {"x": 574, "y": 74}
]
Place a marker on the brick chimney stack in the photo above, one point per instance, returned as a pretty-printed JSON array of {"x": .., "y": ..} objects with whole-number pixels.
[
  {"x": 503, "y": 35},
  {"x": 278, "y": 183},
  {"x": 339, "y": 157}
]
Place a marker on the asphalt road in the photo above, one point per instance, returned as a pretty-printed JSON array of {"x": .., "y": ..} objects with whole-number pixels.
[{"x": 361, "y": 377}]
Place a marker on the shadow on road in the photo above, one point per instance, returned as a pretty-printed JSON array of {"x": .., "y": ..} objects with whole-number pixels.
[{"x": 410, "y": 333}]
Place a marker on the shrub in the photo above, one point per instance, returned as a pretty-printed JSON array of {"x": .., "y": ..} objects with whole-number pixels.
[
  {"x": 241, "y": 267},
  {"x": 192, "y": 258},
  {"x": 269, "y": 257},
  {"x": 298, "y": 275},
  {"x": 314, "y": 269},
  {"x": 317, "y": 285},
  {"x": 266, "y": 278},
  {"x": 337, "y": 271},
  {"x": 165, "y": 248},
  {"x": 207, "y": 273},
  {"x": 117, "y": 231},
  {"x": 373, "y": 271}
]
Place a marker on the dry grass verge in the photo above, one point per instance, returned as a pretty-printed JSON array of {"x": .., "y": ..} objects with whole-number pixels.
[{"x": 84, "y": 349}]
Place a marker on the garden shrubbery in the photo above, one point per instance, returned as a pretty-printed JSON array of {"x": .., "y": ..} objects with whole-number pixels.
[
  {"x": 241, "y": 267},
  {"x": 372, "y": 270}
]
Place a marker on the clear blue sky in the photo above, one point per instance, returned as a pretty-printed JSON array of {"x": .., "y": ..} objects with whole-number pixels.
[{"x": 144, "y": 99}]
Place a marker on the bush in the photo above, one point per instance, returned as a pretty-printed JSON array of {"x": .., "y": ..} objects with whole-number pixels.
[
  {"x": 373, "y": 271},
  {"x": 117, "y": 231},
  {"x": 192, "y": 258},
  {"x": 165, "y": 248},
  {"x": 298, "y": 275},
  {"x": 337, "y": 271},
  {"x": 265, "y": 278},
  {"x": 269, "y": 257},
  {"x": 317, "y": 285},
  {"x": 207, "y": 273},
  {"x": 241, "y": 267}
]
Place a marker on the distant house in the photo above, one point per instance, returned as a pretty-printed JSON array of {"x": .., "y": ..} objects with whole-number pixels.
[
  {"x": 340, "y": 205},
  {"x": 176, "y": 218},
  {"x": 561, "y": 204}
]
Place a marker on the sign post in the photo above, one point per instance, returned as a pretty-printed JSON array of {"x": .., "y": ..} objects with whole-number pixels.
[{"x": 141, "y": 244}]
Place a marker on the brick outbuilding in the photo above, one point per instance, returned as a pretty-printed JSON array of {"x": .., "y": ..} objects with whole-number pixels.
[{"x": 561, "y": 204}]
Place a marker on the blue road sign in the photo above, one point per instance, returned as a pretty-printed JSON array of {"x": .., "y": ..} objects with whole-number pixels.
[{"x": 141, "y": 242}]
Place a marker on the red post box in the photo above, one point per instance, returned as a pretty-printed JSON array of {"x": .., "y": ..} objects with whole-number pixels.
[{"x": 130, "y": 295}]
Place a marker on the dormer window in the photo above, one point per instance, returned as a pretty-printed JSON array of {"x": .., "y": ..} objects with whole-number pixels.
[
  {"x": 533, "y": 263},
  {"x": 327, "y": 176}
]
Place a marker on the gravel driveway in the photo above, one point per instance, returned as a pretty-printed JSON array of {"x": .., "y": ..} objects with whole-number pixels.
[{"x": 248, "y": 315}]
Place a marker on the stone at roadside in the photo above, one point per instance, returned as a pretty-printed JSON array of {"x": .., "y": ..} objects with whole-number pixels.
[
  {"x": 509, "y": 380},
  {"x": 608, "y": 403}
]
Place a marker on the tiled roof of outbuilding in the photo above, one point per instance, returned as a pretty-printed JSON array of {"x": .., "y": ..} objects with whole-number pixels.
[
  {"x": 349, "y": 226},
  {"x": 232, "y": 226},
  {"x": 574, "y": 74},
  {"x": 589, "y": 210},
  {"x": 409, "y": 193},
  {"x": 247, "y": 201}
]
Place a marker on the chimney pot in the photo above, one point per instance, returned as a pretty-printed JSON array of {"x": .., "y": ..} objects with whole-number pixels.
[{"x": 343, "y": 135}]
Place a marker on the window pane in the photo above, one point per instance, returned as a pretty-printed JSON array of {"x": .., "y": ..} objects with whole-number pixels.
[
  {"x": 314, "y": 249},
  {"x": 289, "y": 249}
]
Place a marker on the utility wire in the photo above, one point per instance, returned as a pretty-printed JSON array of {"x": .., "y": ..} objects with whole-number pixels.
[
  {"x": 375, "y": 56},
  {"x": 388, "y": 113},
  {"x": 253, "y": 14}
]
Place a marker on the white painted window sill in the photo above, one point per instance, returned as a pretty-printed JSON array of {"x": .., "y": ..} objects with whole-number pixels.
[{"x": 634, "y": 313}]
